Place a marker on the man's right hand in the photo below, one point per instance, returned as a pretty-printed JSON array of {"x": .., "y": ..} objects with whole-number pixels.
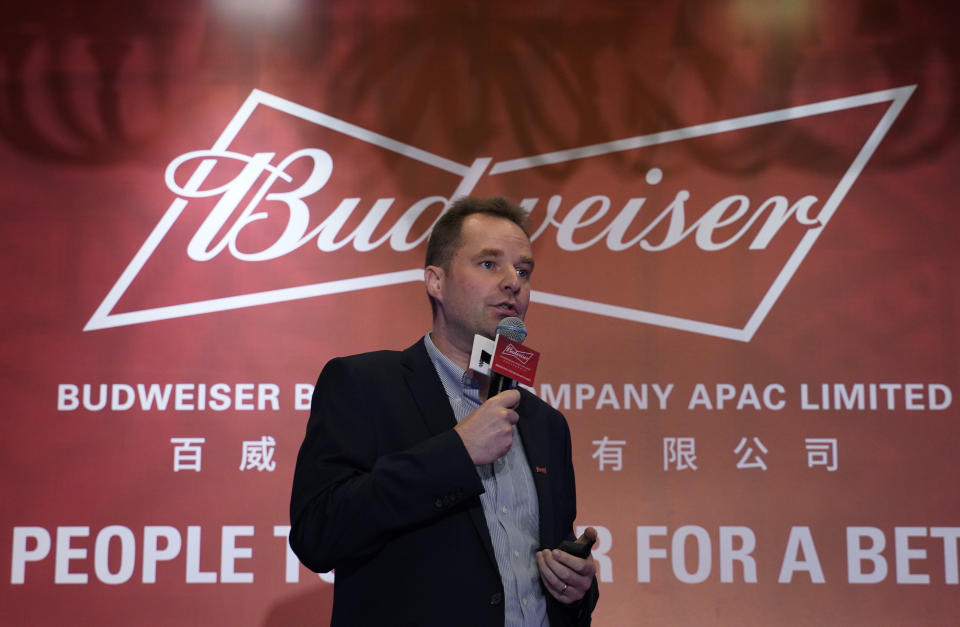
[{"x": 487, "y": 431}]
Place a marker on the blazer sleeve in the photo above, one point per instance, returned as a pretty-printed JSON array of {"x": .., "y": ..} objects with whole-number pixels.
[{"x": 368, "y": 468}]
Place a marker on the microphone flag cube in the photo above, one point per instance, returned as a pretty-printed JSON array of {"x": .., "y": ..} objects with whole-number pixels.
[{"x": 515, "y": 360}]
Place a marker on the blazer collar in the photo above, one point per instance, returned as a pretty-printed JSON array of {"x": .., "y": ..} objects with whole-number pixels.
[{"x": 427, "y": 391}]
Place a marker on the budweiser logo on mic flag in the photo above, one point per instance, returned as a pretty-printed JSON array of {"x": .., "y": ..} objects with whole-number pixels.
[{"x": 515, "y": 360}]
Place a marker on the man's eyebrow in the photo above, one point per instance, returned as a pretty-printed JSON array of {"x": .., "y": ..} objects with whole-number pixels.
[{"x": 496, "y": 252}]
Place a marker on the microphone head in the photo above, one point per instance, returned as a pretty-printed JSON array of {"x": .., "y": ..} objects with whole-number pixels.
[{"x": 512, "y": 328}]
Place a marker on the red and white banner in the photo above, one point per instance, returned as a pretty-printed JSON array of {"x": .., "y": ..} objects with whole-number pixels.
[{"x": 745, "y": 294}]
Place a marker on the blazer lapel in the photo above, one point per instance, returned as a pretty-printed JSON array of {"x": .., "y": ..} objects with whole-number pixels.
[
  {"x": 536, "y": 446},
  {"x": 427, "y": 391}
]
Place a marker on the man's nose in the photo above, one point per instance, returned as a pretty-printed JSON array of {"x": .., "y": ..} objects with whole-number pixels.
[{"x": 511, "y": 279}]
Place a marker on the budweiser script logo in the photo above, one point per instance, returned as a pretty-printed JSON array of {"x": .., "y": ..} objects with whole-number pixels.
[
  {"x": 218, "y": 235},
  {"x": 521, "y": 356}
]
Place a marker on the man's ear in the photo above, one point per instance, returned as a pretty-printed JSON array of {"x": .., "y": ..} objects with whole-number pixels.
[{"x": 433, "y": 277}]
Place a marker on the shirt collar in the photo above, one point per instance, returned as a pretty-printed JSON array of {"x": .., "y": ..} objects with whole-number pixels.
[{"x": 457, "y": 382}]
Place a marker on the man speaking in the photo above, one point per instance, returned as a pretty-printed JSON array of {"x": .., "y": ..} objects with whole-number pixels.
[{"x": 435, "y": 504}]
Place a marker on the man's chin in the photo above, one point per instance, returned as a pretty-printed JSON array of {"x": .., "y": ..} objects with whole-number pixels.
[
  {"x": 502, "y": 314},
  {"x": 490, "y": 330}
]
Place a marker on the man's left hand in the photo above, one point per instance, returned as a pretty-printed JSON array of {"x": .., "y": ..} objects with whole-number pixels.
[{"x": 567, "y": 577}]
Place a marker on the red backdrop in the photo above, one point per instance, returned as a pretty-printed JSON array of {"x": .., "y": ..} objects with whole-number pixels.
[{"x": 746, "y": 288}]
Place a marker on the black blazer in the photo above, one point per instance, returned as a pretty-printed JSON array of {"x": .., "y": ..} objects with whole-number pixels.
[{"x": 385, "y": 493}]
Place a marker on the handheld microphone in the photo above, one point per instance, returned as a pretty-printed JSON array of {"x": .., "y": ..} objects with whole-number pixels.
[{"x": 514, "y": 329}]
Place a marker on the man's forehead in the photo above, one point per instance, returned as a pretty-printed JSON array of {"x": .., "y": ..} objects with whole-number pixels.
[{"x": 480, "y": 228}]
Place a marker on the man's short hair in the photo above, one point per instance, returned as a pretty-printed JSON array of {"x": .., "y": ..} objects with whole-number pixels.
[{"x": 445, "y": 237}]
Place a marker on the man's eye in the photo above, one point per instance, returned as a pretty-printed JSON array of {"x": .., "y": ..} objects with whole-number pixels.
[
  {"x": 486, "y": 264},
  {"x": 523, "y": 273}
]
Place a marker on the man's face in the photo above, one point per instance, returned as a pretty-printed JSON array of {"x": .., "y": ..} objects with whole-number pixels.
[{"x": 488, "y": 279}]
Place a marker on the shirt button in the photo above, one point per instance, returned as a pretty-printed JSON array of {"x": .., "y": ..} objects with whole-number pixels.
[
  {"x": 503, "y": 509},
  {"x": 517, "y": 554},
  {"x": 524, "y": 601}
]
